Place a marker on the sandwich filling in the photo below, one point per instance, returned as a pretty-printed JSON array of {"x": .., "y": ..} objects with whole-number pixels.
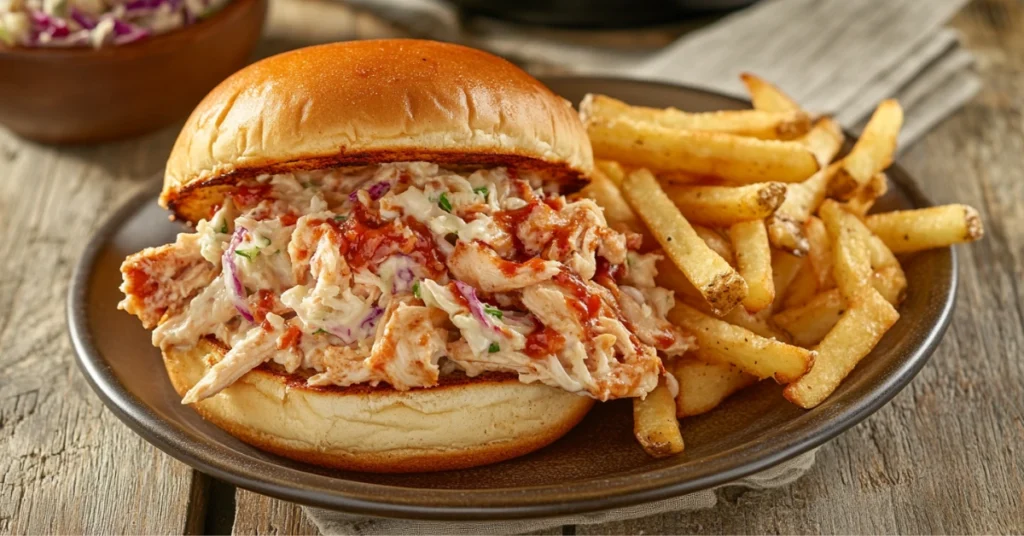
[{"x": 400, "y": 273}]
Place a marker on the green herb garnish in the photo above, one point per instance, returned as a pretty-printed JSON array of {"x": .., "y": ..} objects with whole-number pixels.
[
  {"x": 416, "y": 290},
  {"x": 493, "y": 348},
  {"x": 224, "y": 228},
  {"x": 482, "y": 190},
  {"x": 247, "y": 253},
  {"x": 444, "y": 203},
  {"x": 320, "y": 331},
  {"x": 493, "y": 311},
  {"x": 339, "y": 217}
]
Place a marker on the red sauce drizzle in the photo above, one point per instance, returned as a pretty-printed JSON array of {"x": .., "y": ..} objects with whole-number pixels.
[
  {"x": 365, "y": 241},
  {"x": 607, "y": 269},
  {"x": 290, "y": 338},
  {"x": 543, "y": 342},
  {"x": 586, "y": 305},
  {"x": 458, "y": 295},
  {"x": 247, "y": 196},
  {"x": 265, "y": 303},
  {"x": 139, "y": 282},
  {"x": 509, "y": 221}
]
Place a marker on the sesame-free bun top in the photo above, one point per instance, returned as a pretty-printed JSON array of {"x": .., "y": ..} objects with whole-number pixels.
[{"x": 365, "y": 102}]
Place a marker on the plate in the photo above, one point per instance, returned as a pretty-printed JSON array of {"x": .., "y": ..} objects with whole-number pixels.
[{"x": 596, "y": 466}]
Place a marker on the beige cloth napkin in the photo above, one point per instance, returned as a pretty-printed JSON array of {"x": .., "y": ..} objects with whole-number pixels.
[
  {"x": 834, "y": 56},
  {"x": 338, "y": 523}
]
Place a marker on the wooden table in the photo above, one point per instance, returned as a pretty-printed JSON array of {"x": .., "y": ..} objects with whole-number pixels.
[{"x": 947, "y": 455}]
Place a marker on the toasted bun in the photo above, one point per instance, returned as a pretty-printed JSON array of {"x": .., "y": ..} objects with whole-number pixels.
[
  {"x": 365, "y": 102},
  {"x": 462, "y": 423}
]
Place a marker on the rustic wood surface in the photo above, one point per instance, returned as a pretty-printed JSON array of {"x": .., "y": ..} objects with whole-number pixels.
[{"x": 944, "y": 456}]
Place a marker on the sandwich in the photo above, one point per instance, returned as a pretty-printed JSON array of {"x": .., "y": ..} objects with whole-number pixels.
[{"x": 383, "y": 272}]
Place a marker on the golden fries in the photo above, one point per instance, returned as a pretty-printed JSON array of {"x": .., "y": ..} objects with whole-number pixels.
[
  {"x": 820, "y": 253},
  {"x": 654, "y": 422},
  {"x": 851, "y": 254},
  {"x": 617, "y": 211},
  {"x": 853, "y": 337},
  {"x": 785, "y": 227},
  {"x": 872, "y": 153},
  {"x": 803, "y": 287},
  {"x": 752, "y": 123},
  {"x": 723, "y": 206},
  {"x": 785, "y": 267},
  {"x": 750, "y": 352},
  {"x": 754, "y": 263},
  {"x": 906, "y": 231},
  {"x": 717, "y": 243},
  {"x": 810, "y": 322},
  {"x": 751, "y": 209},
  {"x": 727, "y": 156},
  {"x": 611, "y": 169},
  {"x": 824, "y": 140},
  {"x": 716, "y": 281},
  {"x": 766, "y": 96},
  {"x": 703, "y": 386}
]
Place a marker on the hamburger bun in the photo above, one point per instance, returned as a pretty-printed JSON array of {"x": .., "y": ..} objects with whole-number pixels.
[
  {"x": 367, "y": 102},
  {"x": 463, "y": 422}
]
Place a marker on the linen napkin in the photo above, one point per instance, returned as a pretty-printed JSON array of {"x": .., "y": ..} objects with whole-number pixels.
[
  {"x": 833, "y": 56},
  {"x": 330, "y": 522}
]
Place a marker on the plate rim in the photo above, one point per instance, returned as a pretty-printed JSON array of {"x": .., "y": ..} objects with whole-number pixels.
[{"x": 462, "y": 505}]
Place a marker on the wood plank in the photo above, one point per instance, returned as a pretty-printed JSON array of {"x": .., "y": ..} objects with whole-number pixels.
[
  {"x": 943, "y": 456},
  {"x": 67, "y": 465},
  {"x": 259, "y": 514}
]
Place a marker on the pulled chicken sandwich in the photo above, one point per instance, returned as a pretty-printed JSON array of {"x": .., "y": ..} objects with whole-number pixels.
[{"x": 384, "y": 274}]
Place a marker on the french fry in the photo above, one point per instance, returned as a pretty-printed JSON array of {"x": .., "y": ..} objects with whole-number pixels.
[
  {"x": 723, "y": 206},
  {"x": 785, "y": 267},
  {"x": 752, "y": 123},
  {"x": 803, "y": 287},
  {"x": 611, "y": 169},
  {"x": 872, "y": 153},
  {"x": 754, "y": 263},
  {"x": 785, "y": 226},
  {"x": 703, "y": 386},
  {"x": 750, "y": 352},
  {"x": 758, "y": 322},
  {"x": 809, "y": 323},
  {"x": 820, "y": 253},
  {"x": 766, "y": 96},
  {"x": 617, "y": 211},
  {"x": 850, "y": 246},
  {"x": 824, "y": 140},
  {"x": 853, "y": 337},
  {"x": 719, "y": 284},
  {"x": 907, "y": 231},
  {"x": 726, "y": 156},
  {"x": 717, "y": 243},
  {"x": 654, "y": 422},
  {"x": 671, "y": 277}
]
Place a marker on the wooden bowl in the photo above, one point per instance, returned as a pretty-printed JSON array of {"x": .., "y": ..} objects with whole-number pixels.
[{"x": 86, "y": 95}]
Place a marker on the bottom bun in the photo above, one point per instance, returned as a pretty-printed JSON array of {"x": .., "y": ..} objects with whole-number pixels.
[{"x": 463, "y": 422}]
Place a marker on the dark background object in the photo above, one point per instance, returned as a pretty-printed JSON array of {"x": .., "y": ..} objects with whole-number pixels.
[
  {"x": 85, "y": 95},
  {"x": 598, "y": 465},
  {"x": 596, "y": 13}
]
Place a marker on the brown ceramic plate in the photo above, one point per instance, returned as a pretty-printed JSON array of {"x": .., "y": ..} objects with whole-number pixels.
[{"x": 596, "y": 466}]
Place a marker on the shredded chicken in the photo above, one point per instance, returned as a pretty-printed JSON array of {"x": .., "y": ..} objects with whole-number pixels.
[
  {"x": 400, "y": 273},
  {"x": 481, "y": 267},
  {"x": 160, "y": 280}
]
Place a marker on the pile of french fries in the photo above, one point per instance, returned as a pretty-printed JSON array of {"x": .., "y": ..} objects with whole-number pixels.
[{"x": 778, "y": 269}]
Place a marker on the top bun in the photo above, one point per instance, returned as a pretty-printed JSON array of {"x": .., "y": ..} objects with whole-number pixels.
[{"x": 366, "y": 102}]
